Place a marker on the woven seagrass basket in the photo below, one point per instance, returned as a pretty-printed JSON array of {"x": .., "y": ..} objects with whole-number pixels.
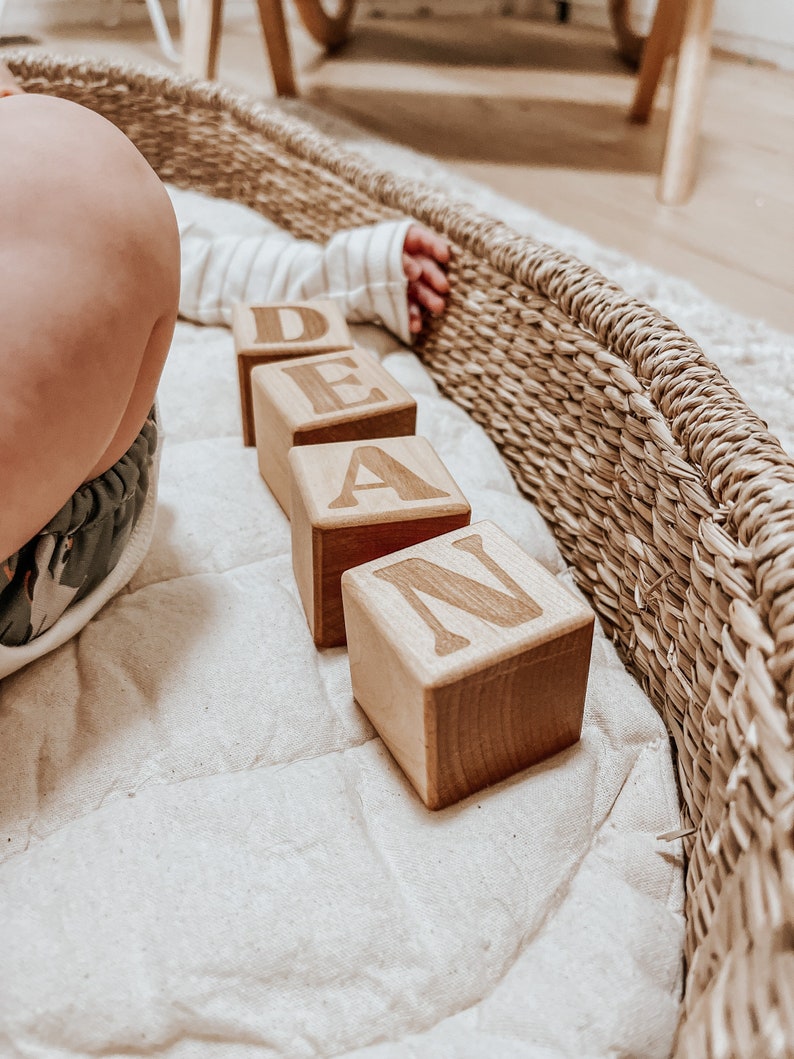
[{"x": 668, "y": 497}]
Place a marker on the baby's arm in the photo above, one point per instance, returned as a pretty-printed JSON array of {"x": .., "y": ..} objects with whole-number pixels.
[{"x": 385, "y": 273}]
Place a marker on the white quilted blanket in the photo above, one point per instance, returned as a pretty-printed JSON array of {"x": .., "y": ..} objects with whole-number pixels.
[{"x": 207, "y": 852}]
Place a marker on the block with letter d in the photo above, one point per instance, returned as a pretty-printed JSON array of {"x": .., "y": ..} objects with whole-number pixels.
[
  {"x": 264, "y": 333},
  {"x": 469, "y": 658},
  {"x": 344, "y": 396},
  {"x": 354, "y": 501}
]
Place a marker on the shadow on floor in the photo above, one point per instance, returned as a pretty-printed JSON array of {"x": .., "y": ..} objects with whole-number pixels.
[
  {"x": 499, "y": 42},
  {"x": 501, "y": 130}
]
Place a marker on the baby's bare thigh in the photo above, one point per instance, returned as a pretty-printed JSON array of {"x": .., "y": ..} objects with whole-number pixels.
[
  {"x": 88, "y": 234},
  {"x": 89, "y": 265}
]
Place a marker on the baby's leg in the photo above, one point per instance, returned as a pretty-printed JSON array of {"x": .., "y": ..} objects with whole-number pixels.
[{"x": 89, "y": 270}]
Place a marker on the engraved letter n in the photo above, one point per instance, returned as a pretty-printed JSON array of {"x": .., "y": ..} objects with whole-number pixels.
[{"x": 505, "y": 609}]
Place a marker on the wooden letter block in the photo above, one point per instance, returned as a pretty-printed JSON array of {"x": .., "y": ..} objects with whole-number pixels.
[
  {"x": 353, "y": 501},
  {"x": 264, "y": 333},
  {"x": 333, "y": 397},
  {"x": 468, "y": 657}
]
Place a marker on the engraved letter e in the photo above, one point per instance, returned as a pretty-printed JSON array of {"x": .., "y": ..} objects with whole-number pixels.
[{"x": 321, "y": 390}]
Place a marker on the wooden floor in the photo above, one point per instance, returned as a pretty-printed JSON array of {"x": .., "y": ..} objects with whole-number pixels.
[{"x": 538, "y": 112}]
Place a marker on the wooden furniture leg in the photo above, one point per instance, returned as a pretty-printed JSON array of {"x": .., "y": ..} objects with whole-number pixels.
[
  {"x": 274, "y": 28},
  {"x": 686, "y": 108},
  {"x": 662, "y": 41},
  {"x": 202, "y": 31},
  {"x": 328, "y": 30},
  {"x": 202, "y": 28},
  {"x": 201, "y": 36},
  {"x": 629, "y": 43}
]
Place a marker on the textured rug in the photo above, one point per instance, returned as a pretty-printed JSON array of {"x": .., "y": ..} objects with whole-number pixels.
[{"x": 758, "y": 360}]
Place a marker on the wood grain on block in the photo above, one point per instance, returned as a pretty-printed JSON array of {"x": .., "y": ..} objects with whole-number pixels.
[
  {"x": 264, "y": 333},
  {"x": 469, "y": 657},
  {"x": 344, "y": 396},
  {"x": 354, "y": 501}
]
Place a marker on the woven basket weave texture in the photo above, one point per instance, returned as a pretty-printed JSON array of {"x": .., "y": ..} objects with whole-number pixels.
[{"x": 667, "y": 495}]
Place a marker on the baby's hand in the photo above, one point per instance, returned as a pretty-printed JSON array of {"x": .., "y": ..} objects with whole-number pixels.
[{"x": 424, "y": 254}]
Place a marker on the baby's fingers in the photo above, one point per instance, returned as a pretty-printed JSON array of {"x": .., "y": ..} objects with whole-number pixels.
[
  {"x": 414, "y": 318},
  {"x": 425, "y": 296},
  {"x": 433, "y": 275},
  {"x": 412, "y": 268},
  {"x": 420, "y": 240}
]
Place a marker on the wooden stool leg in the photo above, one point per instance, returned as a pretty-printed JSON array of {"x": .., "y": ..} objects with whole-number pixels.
[
  {"x": 686, "y": 109},
  {"x": 662, "y": 41},
  {"x": 274, "y": 28},
  {"x": 201, "y": 35},
  {"x": 629, "y": 42}
]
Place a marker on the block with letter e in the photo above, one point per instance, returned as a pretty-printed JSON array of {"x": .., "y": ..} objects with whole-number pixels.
[
  {"x": 334, "y": 397},
  {"x": 469, "y": 657},
  {"x": 264, "y": 333},
  {"x": 354, "y": 501}
]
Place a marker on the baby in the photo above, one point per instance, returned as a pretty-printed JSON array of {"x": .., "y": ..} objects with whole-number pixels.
[{"x": 90, "y": 292}]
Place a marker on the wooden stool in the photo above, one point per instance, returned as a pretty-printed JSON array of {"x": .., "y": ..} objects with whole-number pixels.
[
  {"x": 682, "y": 27},
  {"x": 202, "y": 30}
]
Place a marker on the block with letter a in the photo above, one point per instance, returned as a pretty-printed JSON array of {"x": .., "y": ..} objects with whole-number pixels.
[
  {"x": 469, "y": 658},
  {"x": 344, "y": 396},
  {"x": 264, "y": 333},
  {"x": 354, "y": 501}
]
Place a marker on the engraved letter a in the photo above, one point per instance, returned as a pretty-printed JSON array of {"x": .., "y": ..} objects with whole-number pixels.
[
  {"x": 505, "y": 609},
  {"x": 391, "y": 474}
]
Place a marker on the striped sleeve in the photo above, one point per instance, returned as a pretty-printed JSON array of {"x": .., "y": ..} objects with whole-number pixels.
[{"x": 360, "y": 269}]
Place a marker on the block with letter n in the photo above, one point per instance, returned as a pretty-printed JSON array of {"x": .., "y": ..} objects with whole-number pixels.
[
  {"x": 344, "y": 396},
  {"x": 354, "y": 501},
  {"x": 265, "y": 333},
  {"x": 469, "y": 657}
]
